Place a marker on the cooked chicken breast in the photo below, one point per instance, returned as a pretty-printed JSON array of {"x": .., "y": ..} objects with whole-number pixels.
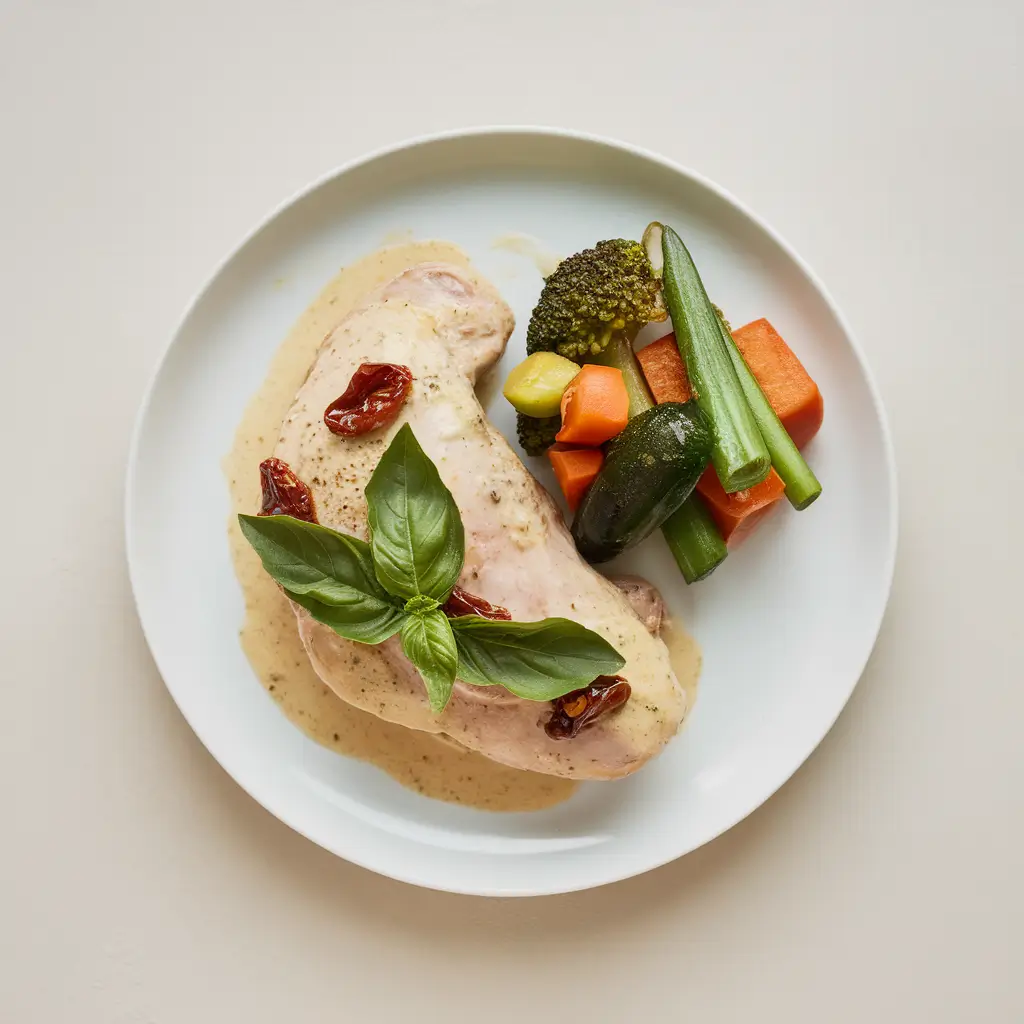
[{"x": 448, "y": 327}]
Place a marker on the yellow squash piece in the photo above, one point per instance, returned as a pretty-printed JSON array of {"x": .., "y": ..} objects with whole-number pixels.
[{"x": 535, "y": 386}]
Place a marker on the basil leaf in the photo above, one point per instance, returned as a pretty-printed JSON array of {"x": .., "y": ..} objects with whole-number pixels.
[
  {"x": 535, "y": 660},
  {"x": 416, "y": 531},
  {"x": 365, "y": 624},
  {"x": 420, "y": 605},
  {"x": 428, "y": 643},
  {"x": 328, "y": 573},
  {"x": 309, "y": 559}
]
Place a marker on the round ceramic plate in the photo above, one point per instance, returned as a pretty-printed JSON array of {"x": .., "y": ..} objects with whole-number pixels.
[{"x": 786, "y": 624}]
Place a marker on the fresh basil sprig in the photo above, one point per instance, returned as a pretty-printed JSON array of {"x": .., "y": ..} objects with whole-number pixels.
[
  {"x": 428, "y": 642},
  {"x": 415, "y": 528},
  {"x": 397, "y": 583},
  {"x": 329, "y": 573},
  {"x": 536, "y": 660}
]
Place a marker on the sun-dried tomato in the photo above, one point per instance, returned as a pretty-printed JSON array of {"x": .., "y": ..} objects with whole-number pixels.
[
  {"x": 461, "y": 602},
  {"x": 575, "y": 710},
  {"x": 284, "y": 494},
  {"x": 372, "y": 399}
]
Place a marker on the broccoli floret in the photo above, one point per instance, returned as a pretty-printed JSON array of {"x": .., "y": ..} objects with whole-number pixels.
[
  {"x": 537, "y": 435},
  {"x": 592, "y": 296},
  {"x": 592, "y": 305}
]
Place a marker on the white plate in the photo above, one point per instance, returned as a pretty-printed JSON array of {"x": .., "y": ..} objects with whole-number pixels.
[{"x": 786, "y": 623}]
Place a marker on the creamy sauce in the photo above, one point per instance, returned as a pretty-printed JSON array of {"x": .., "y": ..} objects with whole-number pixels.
[
  {"x": 685, "y": 657},
  {"x": 429, "y": 764},
  {"x": 532, "y": 248}
]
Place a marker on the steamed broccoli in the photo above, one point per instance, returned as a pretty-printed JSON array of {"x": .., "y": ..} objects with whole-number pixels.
[
  {"x": 590, "y": 310},
  {"x": 537, "y": 435},
  {"x": 593, "y": 296}
]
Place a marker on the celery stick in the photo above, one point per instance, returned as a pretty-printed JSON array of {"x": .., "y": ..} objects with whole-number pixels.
[{"x": 740, "y": 456}]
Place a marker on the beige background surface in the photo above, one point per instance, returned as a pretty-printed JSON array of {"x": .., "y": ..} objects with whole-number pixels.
[{"x": 140, "y": 141}]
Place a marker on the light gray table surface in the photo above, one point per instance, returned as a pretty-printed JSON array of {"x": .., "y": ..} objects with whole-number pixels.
[{"x": 141, "y": 141}]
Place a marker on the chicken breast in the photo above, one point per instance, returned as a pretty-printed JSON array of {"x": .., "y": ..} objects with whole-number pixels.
[
  {"x": 645, "y": 600},
  {"x": 448, "y": 327}
]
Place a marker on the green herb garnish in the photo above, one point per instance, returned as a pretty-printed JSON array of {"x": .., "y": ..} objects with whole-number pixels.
[
  {"x": 398, "y": 582},
  {"x": 416, "y": 533},
  {"x": 428, "y": 642},
  {"x": 532, "y": 659}
]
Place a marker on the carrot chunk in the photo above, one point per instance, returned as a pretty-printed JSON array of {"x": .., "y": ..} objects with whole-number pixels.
[
  {"x": 786, "y": 384},
  {"x": 575, "y": 469},
  {"x": 663, "y": 367},
  {"x": 737, "y": 514},
  {"x": 595, "y": 406}
]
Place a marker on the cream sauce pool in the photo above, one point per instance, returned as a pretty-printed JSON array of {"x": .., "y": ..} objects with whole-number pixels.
[{"x": 426, "y": 763}]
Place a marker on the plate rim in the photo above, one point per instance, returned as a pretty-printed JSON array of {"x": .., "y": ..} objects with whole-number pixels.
[{"x": 482, "y": 131}]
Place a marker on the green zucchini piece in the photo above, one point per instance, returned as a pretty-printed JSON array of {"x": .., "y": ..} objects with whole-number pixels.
[
  {"x": 690, "y": 532},
  {"x": 650, "y": 469}
]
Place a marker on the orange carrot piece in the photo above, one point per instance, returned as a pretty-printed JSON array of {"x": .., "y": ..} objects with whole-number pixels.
[
  {"x": 575, "y": 469},
  {"x": 737, "y": 514},
  {"x": 786, "y": 384},
  {"x": 595, "y": 406},
  {"x": 665, "y": 372},
  {"x": 790, "y": 391}
]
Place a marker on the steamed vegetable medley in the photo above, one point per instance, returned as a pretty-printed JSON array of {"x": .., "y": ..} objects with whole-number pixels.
[{"x": 697, "y": 434}]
